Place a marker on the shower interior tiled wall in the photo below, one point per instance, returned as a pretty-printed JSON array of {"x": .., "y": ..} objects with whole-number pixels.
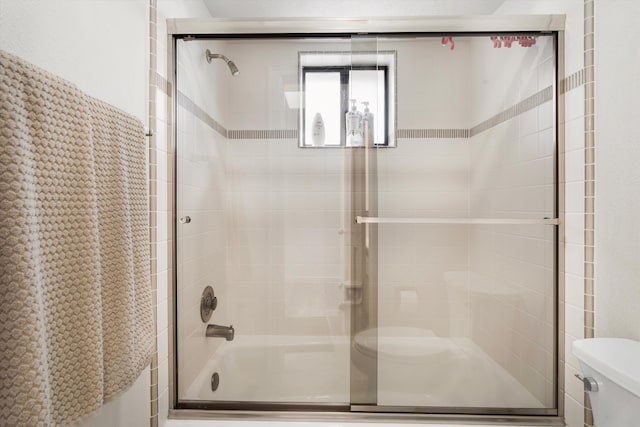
[{"x": 207, "y": 121}]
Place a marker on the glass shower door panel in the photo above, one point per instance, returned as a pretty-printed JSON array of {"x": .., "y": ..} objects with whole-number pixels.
[
  {"x": 269, "y": 230},
  {"x": 461, "y": 220},
  {"x": 466, "y": 315},
  {"x": 200, "y": 236},
  {"x": 466, "y": 304}
]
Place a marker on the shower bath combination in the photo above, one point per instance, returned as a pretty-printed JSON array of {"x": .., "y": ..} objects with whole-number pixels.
[
  {"x": 232, "y": 66},
  {"x": 414, "y": 277}
]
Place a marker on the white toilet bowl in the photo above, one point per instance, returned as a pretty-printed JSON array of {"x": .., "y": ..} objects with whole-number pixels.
[{"x": 611, "y": 369}]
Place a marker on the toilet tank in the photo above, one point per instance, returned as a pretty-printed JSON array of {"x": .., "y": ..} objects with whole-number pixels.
[{"x": 614, "y": 364}]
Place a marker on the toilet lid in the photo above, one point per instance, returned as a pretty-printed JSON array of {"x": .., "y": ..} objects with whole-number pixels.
[
  {"x": 615, "y": 358},
  {"x": 403, "y": 344}
]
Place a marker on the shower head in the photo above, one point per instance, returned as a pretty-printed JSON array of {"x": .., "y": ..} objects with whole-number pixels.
[{"x": 232, "y": 67}]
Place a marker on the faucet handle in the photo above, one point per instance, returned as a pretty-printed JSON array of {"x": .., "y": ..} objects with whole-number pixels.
[{"x": 208, "y": 303}]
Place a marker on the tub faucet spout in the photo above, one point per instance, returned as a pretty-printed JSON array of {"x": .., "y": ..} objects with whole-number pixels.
[{"x": 226, "y": 332}]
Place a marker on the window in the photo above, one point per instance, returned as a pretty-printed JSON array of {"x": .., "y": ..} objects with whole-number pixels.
[{"x": 329, "y": 83}]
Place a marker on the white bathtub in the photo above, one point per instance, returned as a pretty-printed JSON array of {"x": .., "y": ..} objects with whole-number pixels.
[
  {"x": 269, "y": 368},
  {"x": 413, "y": 370}
]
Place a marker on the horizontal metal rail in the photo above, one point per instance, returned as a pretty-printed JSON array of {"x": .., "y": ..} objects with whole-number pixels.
[{"x": 480, "y": 221}]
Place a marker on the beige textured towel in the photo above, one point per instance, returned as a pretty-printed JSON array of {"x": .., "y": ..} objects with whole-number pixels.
[
  {"x": 121, "y": 184},
  {"x": 75, "y": 329},
  {"x": 51, "y": 339}
]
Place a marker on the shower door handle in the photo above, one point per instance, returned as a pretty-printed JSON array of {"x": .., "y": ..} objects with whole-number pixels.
[
  {"x": 185, "y": 220},
  {"x": 470, "y": 221}
]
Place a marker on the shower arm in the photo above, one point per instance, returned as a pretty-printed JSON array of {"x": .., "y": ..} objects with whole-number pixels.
[
  {"x": 211, "y": 56},
  {"x": 232, "y": 66}
]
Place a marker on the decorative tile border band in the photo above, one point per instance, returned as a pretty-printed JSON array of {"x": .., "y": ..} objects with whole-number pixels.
[
  {"x": 192, "y": 107},
  {"x": 263, "y": 134},
  {"x": 590, "y": 170},
  {"x": 588, "y": 79},
  {"x": 573, "y": 81},
  {"x": 529, "y": 103},
  {"x": 153, "y": 212},
  {"x": 293, "y": 133},
  {"x": 432, "y": 133},
  {"x": 186, "y": 102},
  {"x": 162, "y": 84}
]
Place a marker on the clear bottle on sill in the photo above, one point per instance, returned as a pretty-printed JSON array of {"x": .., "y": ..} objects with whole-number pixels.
[
  {"x": 367, "y": 125},
  {"x": 354, "y": 126}
]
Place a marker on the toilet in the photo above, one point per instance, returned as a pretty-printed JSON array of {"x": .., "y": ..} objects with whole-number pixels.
[
  {"x": 611, "y": 370},
  {"x": 411, "y": 364}
]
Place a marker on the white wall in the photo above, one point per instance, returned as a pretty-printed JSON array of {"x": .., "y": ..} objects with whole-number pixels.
[
  {"x": 349, "y": 8},
  {"x": 617, "y": 241},
  {"x": 101, "y": 46}
]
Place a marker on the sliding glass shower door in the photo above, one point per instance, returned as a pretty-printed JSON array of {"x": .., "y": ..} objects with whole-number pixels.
[
  {"x": 263, "y": 220},
  {"x": 367, "y": 223},
  {"x": 455, "y": 231}
]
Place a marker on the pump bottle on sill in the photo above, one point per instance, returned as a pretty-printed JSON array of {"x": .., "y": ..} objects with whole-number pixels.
[
  {"x": 318, "y": 133},
  {"x": 354, "y": 126},
  {"x": 367, "y": 124}
]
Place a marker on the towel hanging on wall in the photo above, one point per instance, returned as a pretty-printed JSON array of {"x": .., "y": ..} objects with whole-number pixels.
[
  {"x": 76, "y": 324},
  {"x": 119, "y": 152}
]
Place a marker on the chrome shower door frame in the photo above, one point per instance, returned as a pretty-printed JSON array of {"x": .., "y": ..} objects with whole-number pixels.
[{"x": 434, "y": 26}]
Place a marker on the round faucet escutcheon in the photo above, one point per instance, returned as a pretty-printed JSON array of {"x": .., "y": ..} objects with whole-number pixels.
[{"x": 208, "y": 303}]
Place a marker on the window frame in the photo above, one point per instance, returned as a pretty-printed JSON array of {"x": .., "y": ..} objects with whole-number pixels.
[
  {"x": 344, "y": 72},
  {"x": 352, "y": 59}
]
